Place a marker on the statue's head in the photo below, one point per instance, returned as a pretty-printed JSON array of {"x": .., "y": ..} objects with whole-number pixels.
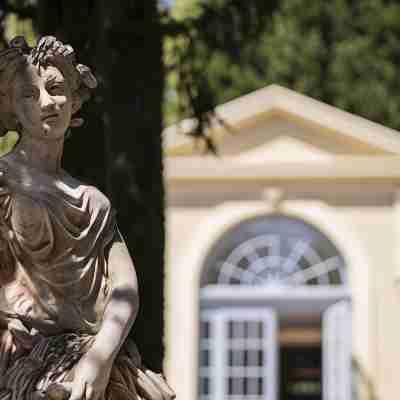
[{"x": 41, "y": 88}]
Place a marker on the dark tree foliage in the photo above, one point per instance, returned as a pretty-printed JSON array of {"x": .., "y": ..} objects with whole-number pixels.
[
  {"x": 22, "y": 8},
  {"x": 343, "y": 52},
  {"x": 221, "y": 27}
]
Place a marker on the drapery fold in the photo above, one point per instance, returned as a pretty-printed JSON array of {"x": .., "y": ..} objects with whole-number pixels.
[{"x": 57, "y": 246}]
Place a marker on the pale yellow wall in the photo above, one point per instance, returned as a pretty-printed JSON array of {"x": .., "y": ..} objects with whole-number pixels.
[
  {"x": 261, "y": 136},
  {"x": 365, "y": 235},
  {"x": 375, "y": 227},
  {"x": 181, "y": 292},
  {"x": 181, "y": 222},
  {"x": 284, "y": 146},
  {"x": 380, "y": 231}
]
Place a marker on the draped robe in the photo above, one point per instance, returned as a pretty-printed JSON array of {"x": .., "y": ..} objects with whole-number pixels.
[
  {"x": 54, "y": 239},
  {"x": 55, "y": 284}
]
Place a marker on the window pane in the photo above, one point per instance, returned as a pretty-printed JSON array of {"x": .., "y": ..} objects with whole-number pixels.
[
  {"x": 239, "y": 356},
  {"x": 236, "y": 358},
  {"x": 204, "y": 385},
  {"x": 204, "y": 329},
  {"x": 274, "y": 250},
  {"x": 205, "y": 358},
  {"x": 260, "y": 386},
  {"x": 255, "y": 358}
]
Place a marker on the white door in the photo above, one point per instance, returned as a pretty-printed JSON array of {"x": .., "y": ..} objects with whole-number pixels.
[
  {"x": 336, "y": 352},
  {"x": 238, "y": 354}
]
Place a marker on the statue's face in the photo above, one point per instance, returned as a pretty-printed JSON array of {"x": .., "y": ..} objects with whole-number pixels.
[{"x": 42, "y": 101}]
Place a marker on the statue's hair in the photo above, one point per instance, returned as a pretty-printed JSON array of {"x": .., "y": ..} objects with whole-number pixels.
[{"x": 48, "y": 51}]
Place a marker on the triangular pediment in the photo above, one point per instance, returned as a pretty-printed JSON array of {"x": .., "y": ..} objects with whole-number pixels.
[
  {"x": 275, "y": 123},
  {"x": 283, "y": 148}
]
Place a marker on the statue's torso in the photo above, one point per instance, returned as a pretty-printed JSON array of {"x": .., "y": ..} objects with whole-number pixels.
[{"x": 59, "y": 232}]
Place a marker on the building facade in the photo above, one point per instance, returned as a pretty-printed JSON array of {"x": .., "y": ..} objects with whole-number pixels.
[{"x": 282, "y": 254}]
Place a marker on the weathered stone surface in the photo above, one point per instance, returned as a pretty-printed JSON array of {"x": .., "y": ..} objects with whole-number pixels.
[{"x": 68, "y": 285}]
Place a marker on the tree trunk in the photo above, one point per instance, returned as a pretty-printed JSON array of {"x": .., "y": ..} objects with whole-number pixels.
[{"x": 119, "y": 149}]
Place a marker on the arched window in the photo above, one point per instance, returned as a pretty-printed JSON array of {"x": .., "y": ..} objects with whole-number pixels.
[
  {"x": 254, "y": 346},
  {"x": 274, "y": 250}
]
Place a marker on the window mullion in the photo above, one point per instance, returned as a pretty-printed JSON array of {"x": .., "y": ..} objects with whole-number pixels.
[{"x": 220, "y": 355}]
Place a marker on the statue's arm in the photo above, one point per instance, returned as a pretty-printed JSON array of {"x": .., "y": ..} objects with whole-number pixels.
[
  {"x": 123, "y": 305},
  {"x": 92, "y": 373},
  {"x": 7, "y": 259}
]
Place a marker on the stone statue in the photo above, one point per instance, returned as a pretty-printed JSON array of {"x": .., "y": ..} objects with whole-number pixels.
[{"x": 68, "y": 287}]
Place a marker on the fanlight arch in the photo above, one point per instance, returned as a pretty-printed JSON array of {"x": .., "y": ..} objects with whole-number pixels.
[{"x": 274, "y": 250}]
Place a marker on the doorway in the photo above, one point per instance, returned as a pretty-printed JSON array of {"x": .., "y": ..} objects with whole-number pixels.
[
  {"x": 300, "y": 373},
  {"x": 291, "y": 347},
  {"x": 300, "y": 361}
]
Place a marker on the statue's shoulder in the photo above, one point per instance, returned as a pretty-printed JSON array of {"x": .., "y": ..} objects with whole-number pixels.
[
  {"x": 95, "y": 195},
  {"x": 13, "y": 194},
  {"x": 98, "y": 200}
]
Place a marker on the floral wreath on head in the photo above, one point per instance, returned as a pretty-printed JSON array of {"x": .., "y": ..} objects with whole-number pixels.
[{"x": 48, "y": 51}]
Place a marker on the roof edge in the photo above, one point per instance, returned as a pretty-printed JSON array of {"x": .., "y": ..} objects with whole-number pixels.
[{"x": 278, "y": 99}]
